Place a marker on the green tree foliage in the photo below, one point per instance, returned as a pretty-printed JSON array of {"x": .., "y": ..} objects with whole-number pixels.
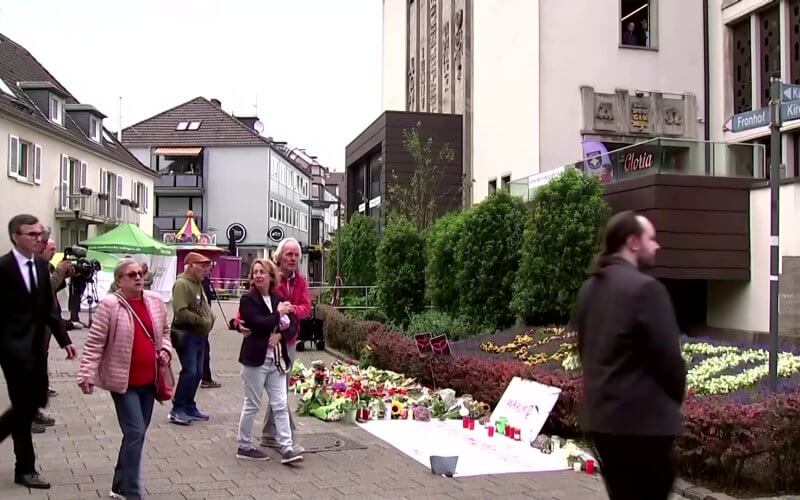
[
  {"x": 416, "y": 201},
  {"x": 488, "y": 254},
  {"x": 442, "y": 238},
  {"x": 358, "y": 241},
  {"x": 562, "y": 235},
  {"x": 401, "y": 271}
]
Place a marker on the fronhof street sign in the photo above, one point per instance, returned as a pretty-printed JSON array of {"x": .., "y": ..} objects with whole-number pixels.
[{"x": 750, "y": 119}]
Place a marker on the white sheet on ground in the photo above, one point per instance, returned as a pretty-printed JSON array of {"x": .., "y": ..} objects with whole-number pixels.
[{"x": 478, "y": 454}]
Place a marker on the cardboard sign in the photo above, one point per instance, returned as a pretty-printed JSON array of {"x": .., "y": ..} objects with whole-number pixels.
[{"x": 526, "y": 405}]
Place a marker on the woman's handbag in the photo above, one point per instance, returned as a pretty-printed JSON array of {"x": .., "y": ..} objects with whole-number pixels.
[{"x": 165, "y": 379}]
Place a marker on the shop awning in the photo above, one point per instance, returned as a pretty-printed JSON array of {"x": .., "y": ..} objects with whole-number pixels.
[{"x": 178, "y": 151}]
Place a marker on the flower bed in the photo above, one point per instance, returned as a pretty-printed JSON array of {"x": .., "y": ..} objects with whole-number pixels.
[{"x": 729, "y": 444}]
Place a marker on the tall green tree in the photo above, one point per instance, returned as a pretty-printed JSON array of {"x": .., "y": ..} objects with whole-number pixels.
[
  {"x": 562, "y": 235},
  {"x": 401, "y": 271},
  {"x": 357, "y": 241},
  {"x": 416, "y": 201},
  {"x": 442, "y": 238},
  {"x": 488, "y": 253}
]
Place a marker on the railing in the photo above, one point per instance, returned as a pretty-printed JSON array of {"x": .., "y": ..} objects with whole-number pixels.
[
  {"x": 233, "y": 289},
  {"x": 93, "y": 208},
  {"x": 662, "y": 156},
  {"x": 174, "y": 223},
  {"x": 185, "y": 181}
]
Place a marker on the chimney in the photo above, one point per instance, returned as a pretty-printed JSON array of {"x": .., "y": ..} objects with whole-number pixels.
[
  {"x": 250, "y": 121},
  {"x": 216, "y": 103}
]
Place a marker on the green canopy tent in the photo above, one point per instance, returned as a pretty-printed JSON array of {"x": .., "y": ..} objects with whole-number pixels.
[{"x": 127, "y": 239}]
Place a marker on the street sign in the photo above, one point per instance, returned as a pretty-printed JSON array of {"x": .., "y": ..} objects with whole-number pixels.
[
  {"x": 276, "y": 233},
  {"x": 790, "y": 92},
  {"x": 750, "y": 119},
  {"x": 790, "y": 111}
]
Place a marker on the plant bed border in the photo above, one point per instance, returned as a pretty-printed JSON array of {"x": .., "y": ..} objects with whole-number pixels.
[{"x": 720, "y": 434}]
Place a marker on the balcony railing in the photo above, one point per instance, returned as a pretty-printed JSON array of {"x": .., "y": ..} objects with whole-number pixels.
[
  {"x": 179, "y": 181},
  {"x": 168, "y": 224},
  {"x": 661, "y": 156},
  {"x": 94, "y": 209}
]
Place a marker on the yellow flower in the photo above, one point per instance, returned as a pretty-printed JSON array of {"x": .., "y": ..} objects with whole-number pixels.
[{"x": 397, "y": 408}]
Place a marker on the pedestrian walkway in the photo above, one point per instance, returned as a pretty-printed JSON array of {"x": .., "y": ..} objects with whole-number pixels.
[{"x": 78, "y": 455}]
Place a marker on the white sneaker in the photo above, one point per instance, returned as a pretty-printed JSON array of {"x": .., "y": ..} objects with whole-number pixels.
[{"x": 114, "y": 494}]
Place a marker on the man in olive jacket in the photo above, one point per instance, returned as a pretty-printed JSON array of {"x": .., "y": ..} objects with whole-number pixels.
[
  {"x": 191, "y": 322},
  {"x": 633, "y": 373}
]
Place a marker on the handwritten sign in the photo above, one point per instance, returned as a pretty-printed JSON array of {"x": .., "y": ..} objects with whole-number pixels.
[{"x": 526, "y": 405}]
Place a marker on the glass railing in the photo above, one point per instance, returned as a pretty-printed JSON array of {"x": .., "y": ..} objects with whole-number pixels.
[{"x": 660, "y": 156}]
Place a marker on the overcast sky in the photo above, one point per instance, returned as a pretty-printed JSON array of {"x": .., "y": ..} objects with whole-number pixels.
[{"x": 315, "y": 65}]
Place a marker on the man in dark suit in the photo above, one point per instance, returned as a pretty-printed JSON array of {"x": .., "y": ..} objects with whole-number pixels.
[
  {"x": 26, "y": 309},
  {"x": 633, "y": 373}
]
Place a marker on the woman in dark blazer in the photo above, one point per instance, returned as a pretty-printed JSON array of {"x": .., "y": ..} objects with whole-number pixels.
[{"x": 264, "y": 360}]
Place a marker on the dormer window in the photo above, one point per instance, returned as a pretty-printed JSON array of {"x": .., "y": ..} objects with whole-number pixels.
[
  {"x": 95, "y": 129},
  {"x": 56, "y": 109},
  {"x": 190, "y": 125}
]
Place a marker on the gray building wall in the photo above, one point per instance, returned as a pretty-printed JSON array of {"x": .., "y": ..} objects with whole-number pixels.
[
  {"x": 142, "y": 154},
  {"x": 237, "y": 183}
]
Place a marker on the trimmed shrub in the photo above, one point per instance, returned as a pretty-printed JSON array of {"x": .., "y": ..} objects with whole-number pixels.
[
  {"x": 359, "y": 241},
  {"x": 488, "y": 254},
  {"x": 442, "y": 238},
  {"x": 345, "y": 334},
  {"x": 436, "y": 323},
  {"x": 401, "y": 271},
  {"x": 562, "y": 235}
]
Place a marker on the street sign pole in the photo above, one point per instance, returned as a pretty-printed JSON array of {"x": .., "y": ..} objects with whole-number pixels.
[{"x": 774, "y": 255}]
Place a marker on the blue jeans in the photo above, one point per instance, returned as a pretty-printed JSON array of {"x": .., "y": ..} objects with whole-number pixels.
[
  {"x": 134, "y": 409},
  {"x": 191, "y": 355}
]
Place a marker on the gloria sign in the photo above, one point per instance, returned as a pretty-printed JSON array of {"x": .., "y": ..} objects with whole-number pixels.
[
  {"x": 526, "y": 405},
  {"x": 637, "y": 160}
]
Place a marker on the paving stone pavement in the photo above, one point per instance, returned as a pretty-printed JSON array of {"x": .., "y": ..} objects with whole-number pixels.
[{"x": 78, "y": 454}]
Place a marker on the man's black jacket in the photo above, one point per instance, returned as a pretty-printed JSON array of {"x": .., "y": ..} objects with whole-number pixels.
[{"x": 628, "y": 338}]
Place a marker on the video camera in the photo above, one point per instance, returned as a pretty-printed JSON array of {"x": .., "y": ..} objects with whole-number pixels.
[{"x": 84, "y": 267}]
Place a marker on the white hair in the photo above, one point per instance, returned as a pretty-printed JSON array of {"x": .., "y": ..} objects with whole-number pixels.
[{"x": 276, "y": 257}]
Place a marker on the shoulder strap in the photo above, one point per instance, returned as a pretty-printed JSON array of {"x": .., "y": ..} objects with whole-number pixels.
[{"x": 127, "y": 305}]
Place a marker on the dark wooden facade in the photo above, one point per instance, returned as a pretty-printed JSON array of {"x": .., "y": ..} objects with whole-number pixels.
[
  {"x": 376, "y": 159},
  {"x": 702, "y": 223}
]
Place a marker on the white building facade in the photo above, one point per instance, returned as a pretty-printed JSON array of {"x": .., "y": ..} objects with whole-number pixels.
[{"x": 535, "y": 78}]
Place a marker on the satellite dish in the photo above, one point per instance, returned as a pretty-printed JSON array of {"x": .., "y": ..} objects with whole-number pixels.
[{"x": 258, "y": 126}]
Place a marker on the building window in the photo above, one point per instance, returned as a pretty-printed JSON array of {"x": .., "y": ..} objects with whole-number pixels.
[
  {"x": 182, "y": 126},
  {"x": 56, "y": 109},
  {"x": 95, "y": 129},
  {"x": 637, "y": 23},
  {"x": 273, "y": 209},
  {"x": 770, "y": 40},
  {"x": 742, "y": 73},
  {"x": 24, "y": 160},
  {"x": 505, "y": 183},
  {"x": 194, "y": 125},
  {"x": 492, "y": 186},
  {"x": 140, "y": 194},
  {"x": 274, "y": 168}
]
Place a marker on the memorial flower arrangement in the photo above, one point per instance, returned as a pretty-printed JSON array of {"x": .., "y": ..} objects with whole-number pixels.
[{"x": 328, "y": 393}]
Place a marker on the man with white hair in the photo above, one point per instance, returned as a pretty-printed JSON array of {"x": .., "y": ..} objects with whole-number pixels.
[{"x": 293, "y": 288}]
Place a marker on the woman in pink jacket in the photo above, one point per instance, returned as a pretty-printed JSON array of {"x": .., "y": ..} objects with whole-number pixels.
[{"x": 129, "y": 336}]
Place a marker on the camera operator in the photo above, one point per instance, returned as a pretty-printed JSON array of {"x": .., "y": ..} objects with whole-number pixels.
[{"x": 77, "y": 285}]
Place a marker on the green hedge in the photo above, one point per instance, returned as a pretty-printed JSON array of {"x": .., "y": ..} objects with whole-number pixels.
[
  {"x": 442, "y": 265},
  {"x": 488, "y": 254},
  {"x": 358, "y": 242},
  {"x": 401, "y": 271},
  {"x": 562, "y": 234}
]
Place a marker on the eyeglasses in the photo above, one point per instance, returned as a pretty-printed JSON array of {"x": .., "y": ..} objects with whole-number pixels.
[
  {"x": 134, "y": 274},
  {"x": 32, "y": 234}
]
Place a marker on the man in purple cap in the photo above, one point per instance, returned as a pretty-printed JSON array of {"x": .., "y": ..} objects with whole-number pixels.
[{"x": 191, "y": 323}]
